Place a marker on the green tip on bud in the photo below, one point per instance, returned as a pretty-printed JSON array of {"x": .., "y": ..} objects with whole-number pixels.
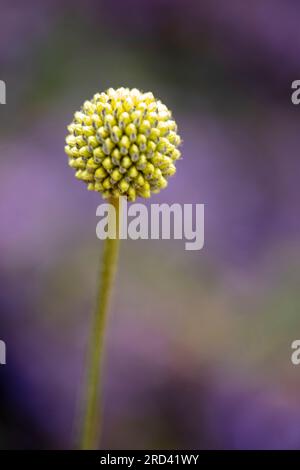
[{"x": 123, "y": 143}]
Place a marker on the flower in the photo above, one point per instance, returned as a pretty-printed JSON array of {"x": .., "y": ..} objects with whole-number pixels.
[{"x": 123, "y": 143}]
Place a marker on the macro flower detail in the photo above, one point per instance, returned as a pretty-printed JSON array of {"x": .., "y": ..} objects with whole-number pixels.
[{"x": 123, "y": 143}]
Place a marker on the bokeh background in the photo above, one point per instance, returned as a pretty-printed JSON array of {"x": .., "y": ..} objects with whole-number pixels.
[{"x": 199, "y": 343}]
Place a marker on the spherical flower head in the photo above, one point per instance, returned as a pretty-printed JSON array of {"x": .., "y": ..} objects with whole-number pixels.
[{"x": 123, "y": 143}]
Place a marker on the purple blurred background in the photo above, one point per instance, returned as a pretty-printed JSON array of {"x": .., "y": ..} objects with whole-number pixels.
[{"x": 199, "y": 343}]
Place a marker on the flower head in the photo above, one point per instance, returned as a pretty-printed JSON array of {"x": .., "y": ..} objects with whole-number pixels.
[{"x": 123, "y": 143}]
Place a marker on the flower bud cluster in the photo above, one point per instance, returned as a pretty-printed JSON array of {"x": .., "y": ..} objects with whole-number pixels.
[{"x": 123, "y": 143}]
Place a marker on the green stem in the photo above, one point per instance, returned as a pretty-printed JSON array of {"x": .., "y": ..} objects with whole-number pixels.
[{"x": 92, "y": 418}]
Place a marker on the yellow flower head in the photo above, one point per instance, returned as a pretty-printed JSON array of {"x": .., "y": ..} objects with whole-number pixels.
[{"x": 123, "y": 143}]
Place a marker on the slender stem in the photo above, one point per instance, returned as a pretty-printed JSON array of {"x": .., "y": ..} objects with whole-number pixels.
[{"x": 92, "y": 418}]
